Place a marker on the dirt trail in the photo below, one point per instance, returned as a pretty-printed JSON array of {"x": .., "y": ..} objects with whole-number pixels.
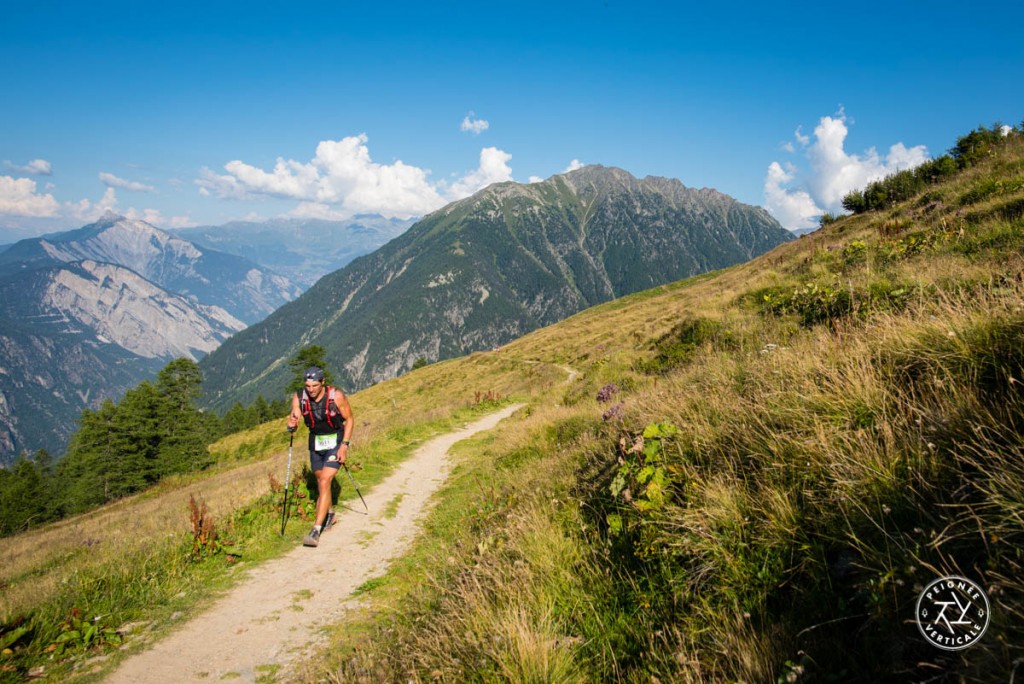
[{"x": 278, "y": 611}]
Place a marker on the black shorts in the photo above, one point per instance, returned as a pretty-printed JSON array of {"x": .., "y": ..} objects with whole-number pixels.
[{"x": 318, "y": 460}]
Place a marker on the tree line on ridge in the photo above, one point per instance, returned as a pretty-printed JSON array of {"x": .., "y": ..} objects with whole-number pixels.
[{"x": 156, "y": 430}]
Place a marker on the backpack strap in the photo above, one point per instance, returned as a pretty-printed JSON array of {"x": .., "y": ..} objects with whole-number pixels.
[
  {"x": 327, "y": 408},
  {"x": 305, "y": 407}
]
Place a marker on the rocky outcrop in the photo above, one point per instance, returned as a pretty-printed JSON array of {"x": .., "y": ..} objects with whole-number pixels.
[
  {"x": 247, "y": 291},
  {"x": 88, "y": 314},
  {"x": 122, "y": 308}
]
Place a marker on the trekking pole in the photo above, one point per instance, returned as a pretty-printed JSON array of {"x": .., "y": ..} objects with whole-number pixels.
[
  {"x": 287, "y": 482},
  {"x": 349, "y": 472}
]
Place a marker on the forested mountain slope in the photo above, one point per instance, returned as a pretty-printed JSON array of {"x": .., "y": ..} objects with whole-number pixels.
[{"x": 490, "y": 268}]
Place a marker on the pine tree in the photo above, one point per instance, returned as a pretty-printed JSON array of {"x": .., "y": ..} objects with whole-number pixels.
[
  {"x": 94, "y": 470},
  {"x": 313, "y": 355},
  {"x": 236, "y": 419},
  {"x": 184, "y": 439},
  {"x": 279, "y": 408},
  {"x": 260, "y": 410},
  {"x": 24, "y": 493}
]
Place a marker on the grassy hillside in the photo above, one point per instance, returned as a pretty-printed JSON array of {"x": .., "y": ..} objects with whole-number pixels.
[
  {"x": 752, "y": 477},
  {"x": 745, "y": 476}
]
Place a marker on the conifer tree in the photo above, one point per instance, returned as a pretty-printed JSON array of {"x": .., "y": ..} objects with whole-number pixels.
[
  {"x": 236, "y": 419},
  {"x": 25, "y": 493},
  {"x": 184, "y": 439},
  {"x": 260, "y": 411},
  {"x": 313, "y": 355},
  {"x": 93, "y": 471}
]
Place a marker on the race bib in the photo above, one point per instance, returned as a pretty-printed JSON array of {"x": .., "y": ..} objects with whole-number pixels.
[{"x": 325, "y": 442}]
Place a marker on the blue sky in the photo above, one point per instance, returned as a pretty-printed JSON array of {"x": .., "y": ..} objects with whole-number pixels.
[{"x": 203, "y": 113}]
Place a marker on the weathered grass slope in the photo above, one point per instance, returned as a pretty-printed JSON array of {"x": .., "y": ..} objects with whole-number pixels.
[
  {"x": 752, "y": 477},
  {"x": 827, "y": 428},
  {"x": 135, "y": 567}
]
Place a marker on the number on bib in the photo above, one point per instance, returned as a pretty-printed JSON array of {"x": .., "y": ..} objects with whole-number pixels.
[{"x": 325, "y": 442}]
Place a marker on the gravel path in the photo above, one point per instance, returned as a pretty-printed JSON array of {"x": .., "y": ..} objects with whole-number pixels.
[{"x": 278, "y": 611}]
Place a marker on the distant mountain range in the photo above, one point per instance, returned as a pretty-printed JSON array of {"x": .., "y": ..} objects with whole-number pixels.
[
  {"x": 303, "y": 250},
  {"x": 240, "y": 286},
  {"x": 87, "y": 314},
  {"x": 490, "y": 268}
]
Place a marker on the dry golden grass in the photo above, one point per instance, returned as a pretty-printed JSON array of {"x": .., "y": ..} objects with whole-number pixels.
[
  {"x": 34, "y": 563},
  {"x": 792, "y": 441}
]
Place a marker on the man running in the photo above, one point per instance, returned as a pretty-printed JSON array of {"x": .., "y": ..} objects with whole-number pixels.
[{"x": 327, "y": 414}]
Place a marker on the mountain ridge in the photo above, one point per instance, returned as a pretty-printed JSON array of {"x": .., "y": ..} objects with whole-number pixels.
[
  {"x": 486, "y": 269},
  {"x": 248, "y": 291},
  {"x": 87, "y": 314}
]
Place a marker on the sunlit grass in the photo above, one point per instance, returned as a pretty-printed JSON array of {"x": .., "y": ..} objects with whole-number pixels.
[
  {"x": 825, "y": 461},
  {"x": 819, "y": 475}
]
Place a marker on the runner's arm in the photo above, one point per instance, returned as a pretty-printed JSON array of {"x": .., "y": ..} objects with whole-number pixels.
[
  {"x": 295, "y": 416},
  {"x": 341, "y": 401}
]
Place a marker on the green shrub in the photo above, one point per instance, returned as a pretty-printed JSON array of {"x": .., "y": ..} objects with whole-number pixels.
[
  {"x": 567, "y": 432},
  {"x": 814, "y": 303},
  {"x": 990, "y": 187},
  {"x": 678, "y": 346}
]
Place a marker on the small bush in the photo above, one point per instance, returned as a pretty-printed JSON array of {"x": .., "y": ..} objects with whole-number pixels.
[
  {"x": 828, "y": 218},
  {"x": 815, "y": 303},
  {"x": 679, "y": 346},
  {"x": 570, "y": 430},
  {"x": 990, "y": 187}
]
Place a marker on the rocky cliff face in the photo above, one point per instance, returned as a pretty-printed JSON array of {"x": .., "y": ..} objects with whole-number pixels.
[
  {"x": 89, "y": 314},
  {"x": 247, "y": 291},
  {"x": 122, "y": 308},
  {"x": 490, "y": 268}
]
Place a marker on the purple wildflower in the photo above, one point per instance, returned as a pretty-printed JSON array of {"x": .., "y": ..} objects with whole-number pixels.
[
  {"x": 607, "y": 393},
  {"x": 614, "y": 413}
]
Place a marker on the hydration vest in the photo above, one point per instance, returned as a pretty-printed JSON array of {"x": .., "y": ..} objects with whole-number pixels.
[{"x": 326, "y": 415}]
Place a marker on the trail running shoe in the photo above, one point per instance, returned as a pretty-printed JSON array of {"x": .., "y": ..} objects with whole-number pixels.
[
  {"x": 329, "y": 520},
  {"x": 312, "y": 539}
]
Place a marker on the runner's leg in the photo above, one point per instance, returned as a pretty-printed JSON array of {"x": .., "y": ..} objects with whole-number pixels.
[{"x": 323, "y": 500}]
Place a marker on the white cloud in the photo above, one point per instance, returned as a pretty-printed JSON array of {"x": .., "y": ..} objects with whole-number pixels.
[
  {"x": 342, "y": 180},
  {"x": 573, "y": 165},
  {"x": 316, "y": 210},
  {"x": 36, "y": 167},
  {"x": 152, "y": 216},
  {"x": 180, "y": 222},
  {"x": 474, "y": 126},
  {"x": 18, "y": 197},
  {"x": 794, "y": 209},
  {"x": 833, "y": 173},
  {"x": 112, "y": 181},
  {"x": 494, "y": 168},
  {"x": 85, "y": 211}
]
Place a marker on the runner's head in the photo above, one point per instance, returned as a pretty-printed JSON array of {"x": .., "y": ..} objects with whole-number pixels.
[{"x": 314, "y": 377}]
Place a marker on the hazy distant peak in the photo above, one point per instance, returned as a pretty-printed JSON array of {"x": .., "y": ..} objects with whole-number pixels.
[{"x": 117, "y": 239}]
